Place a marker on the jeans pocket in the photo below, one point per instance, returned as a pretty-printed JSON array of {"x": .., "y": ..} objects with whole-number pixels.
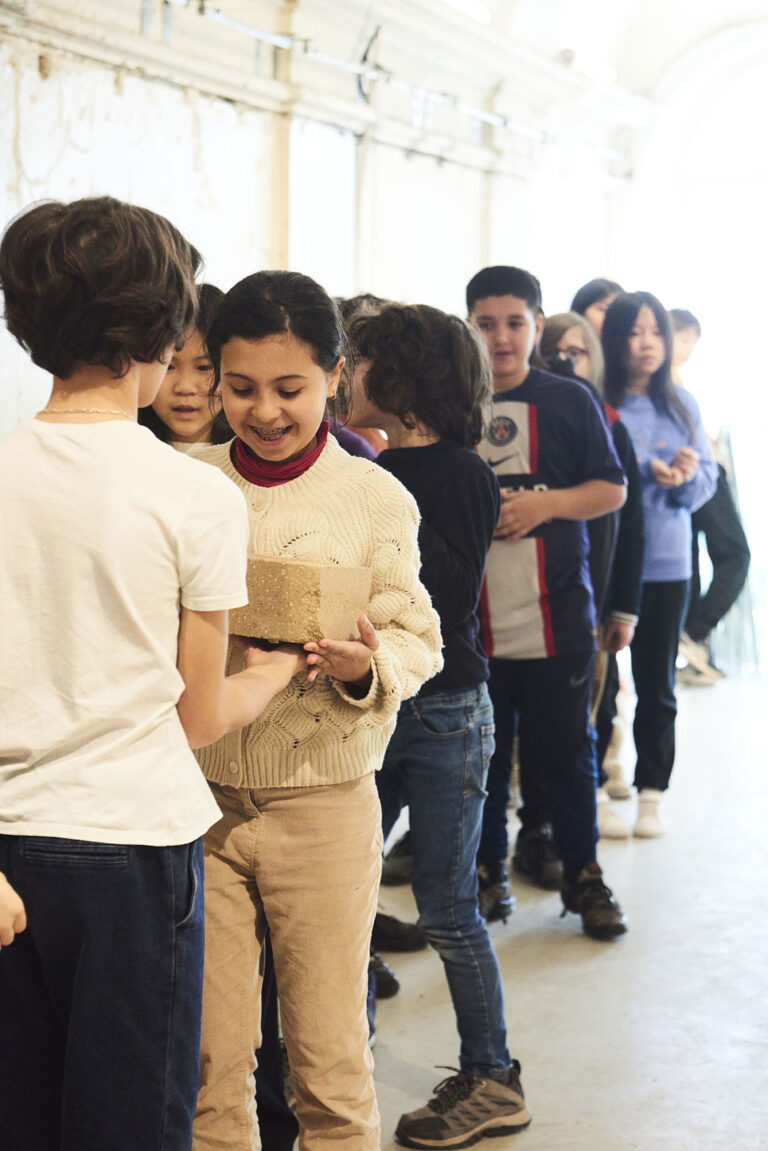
[
  {"x": 193, "y": 877},
  {"x": 487, "y": 746},
  {"x": 83, "y": 854},
  {"x": 441, "y": 722}
]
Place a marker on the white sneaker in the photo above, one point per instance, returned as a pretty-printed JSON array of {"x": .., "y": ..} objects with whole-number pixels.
[
  {"x": 648, "y": 825},
  {"x": 608, "y": 823},
  {"x": 689, "y": 676}
]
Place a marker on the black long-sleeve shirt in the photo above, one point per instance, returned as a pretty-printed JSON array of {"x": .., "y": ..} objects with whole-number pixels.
[{"x": 459, "y": 501}]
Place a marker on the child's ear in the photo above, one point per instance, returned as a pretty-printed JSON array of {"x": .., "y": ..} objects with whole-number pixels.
[{"x": 333, "y": 378}]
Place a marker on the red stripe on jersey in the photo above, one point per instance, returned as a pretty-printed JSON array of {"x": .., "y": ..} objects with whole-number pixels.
[
  {"x": 485, "y": 619},
  {"x": 533, "y": 439},
  {"x": 546, "y": 615}
]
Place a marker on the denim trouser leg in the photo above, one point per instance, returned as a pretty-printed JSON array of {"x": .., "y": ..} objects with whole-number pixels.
[
  {"x": 100, "y": 998},
  {"x": 437, "y": 762}
]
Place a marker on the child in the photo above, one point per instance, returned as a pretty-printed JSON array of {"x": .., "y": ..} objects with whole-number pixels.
[
  {"x": 678, "y": 475},
  {"x": 550, "y": 449},
  {"x": 424, "y": 379},
  {"x": 183, "y": 412},
  {"x": 299, "y": 846},
  {"x": 615, "y": 547},
  {"x": 119, "y": 562}
]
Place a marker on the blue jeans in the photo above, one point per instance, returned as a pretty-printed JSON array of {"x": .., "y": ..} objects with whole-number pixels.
[
  {"x": 436, "y": 763},
  {"x": 100, "y": 998}
]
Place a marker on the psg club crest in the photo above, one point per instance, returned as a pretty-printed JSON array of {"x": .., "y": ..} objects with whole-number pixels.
[{"x": 502, "y": 431}]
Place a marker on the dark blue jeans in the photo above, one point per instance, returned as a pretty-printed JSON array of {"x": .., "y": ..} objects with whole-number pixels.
[
  {"x": 100, "y": 998},
  {"x": 436, "y": 763},
  {"x": 546, "y": 702}
]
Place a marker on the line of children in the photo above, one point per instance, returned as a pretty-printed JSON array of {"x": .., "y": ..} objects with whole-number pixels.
[{"x": 103, "y": 805}]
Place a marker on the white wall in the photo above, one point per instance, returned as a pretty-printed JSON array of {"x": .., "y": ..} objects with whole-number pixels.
[{"x": 85, "y": 129}]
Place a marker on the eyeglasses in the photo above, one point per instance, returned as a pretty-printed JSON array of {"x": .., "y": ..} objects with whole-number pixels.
[{"x": 573, "y": 353}]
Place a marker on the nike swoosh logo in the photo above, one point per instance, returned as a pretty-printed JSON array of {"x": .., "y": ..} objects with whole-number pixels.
[
  {"x": 502, "y": 460},
  {"x": 575, "y": 682}
]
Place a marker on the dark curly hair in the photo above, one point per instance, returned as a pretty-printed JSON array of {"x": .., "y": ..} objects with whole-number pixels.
[
  {"x": 96, "y": 282},
  {"x": 426, "y": 367},
  {"x": 268, "y": 303}
]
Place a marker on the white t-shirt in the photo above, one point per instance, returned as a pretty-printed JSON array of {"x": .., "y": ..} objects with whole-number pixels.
[{"x": 104, "y": 533}]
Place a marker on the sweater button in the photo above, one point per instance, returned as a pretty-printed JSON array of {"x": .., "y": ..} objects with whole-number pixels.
[{"x": 234, "y": 767}]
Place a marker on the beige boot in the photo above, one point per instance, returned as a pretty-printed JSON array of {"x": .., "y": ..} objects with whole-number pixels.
[
  {"x": 608, "y": 823},
  {"x": 616, "y": 786},
  {"x": 648, "y": 825}
]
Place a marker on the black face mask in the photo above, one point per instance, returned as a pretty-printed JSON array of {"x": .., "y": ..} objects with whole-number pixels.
[{"x": 561, "y": 365}]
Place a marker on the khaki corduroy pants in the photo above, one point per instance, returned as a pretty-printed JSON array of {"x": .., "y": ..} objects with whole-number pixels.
[{"x": 307, "y": 862}]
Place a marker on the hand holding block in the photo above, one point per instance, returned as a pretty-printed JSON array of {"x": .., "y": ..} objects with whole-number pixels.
[{"x": 290, "y": 601}]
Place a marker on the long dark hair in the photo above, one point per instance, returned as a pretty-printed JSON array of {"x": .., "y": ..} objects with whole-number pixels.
[
  {"x": 269, "y": 303},
  {"x": 617, "y": 329},
  {"x": 592, "y": 293},
  {"x": 208, "y": 299}
]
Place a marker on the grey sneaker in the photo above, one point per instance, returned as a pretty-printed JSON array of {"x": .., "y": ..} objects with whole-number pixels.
[{"x": 464, "y": 1109}]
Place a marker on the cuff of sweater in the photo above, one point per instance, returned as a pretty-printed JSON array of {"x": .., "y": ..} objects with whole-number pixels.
[
  {"x": 624, "y": 617},
  {"x": 363, "y": 702}
]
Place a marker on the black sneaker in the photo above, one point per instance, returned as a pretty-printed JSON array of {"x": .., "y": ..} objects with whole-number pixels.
[
  {"x": 387, "y": 983},
  {"x": 398, "y": 865},
  {"x": 390, "y": 934},
  {"x": 593, "y": 900},
  {"x": 536, "y": 857},
  {"x": 464, "y": 1109},
  {"x": 494, "y": 898}
]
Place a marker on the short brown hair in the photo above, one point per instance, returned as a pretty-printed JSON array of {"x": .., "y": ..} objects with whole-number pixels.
[
  {"x": 97, "y": 282},
  {"x": 426, "y": 366}
]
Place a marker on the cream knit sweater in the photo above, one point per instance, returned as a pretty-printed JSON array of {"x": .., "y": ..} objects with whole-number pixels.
[{"x": 342, "y": 510}]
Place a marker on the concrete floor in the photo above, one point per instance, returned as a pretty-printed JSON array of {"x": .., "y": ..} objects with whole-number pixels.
[{"x": 658, "y": 1040}]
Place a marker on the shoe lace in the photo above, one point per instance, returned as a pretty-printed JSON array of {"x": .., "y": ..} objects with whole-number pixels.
[
  {"x": 597, "y": 894},
  {"x": 451, "y": 1090},
  {"x": 594, "y": 895}
]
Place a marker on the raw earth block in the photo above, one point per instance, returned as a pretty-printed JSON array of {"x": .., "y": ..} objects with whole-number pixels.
[{"x": 291, "y": 601}]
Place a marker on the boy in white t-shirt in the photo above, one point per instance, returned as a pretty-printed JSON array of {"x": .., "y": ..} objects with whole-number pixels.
[{"x": 120, "y": 559}]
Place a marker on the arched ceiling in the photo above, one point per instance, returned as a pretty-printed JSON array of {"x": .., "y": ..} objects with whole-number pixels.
[{"x": 639, "y": 40}]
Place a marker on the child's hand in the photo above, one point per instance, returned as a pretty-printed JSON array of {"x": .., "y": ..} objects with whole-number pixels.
[
  {"x": 347, "y": 661},
  {"x": 666, "y": 477},
  {"x": 13, "y": 917},
  {"x": 279, "y": 664},
  {"x": 686, "y": 461},
  {"x": 521, "y": 512},
  {"x": 616, "y": 636}
]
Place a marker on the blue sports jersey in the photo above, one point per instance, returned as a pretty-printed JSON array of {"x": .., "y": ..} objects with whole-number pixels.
[{"x": 537, "y": 602}]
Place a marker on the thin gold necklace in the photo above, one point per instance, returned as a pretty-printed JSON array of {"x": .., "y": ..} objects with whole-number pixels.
[{"x": 85, "y": 412}]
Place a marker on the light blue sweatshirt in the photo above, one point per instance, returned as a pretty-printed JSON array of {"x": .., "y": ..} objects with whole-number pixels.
[{"x": 667, "y": 513}]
